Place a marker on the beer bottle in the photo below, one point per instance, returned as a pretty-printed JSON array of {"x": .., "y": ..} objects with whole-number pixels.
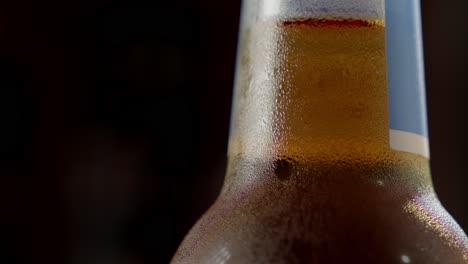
[{"x": 328, "y": 150}]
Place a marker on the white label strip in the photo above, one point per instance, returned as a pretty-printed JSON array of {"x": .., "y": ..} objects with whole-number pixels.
[{"x": 409, "y": 142}]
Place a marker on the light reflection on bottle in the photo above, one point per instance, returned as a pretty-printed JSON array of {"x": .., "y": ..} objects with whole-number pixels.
[{"x": 405, "y": 259}]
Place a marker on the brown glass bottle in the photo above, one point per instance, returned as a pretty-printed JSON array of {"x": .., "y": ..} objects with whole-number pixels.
[{"x": 313, "y": 176}]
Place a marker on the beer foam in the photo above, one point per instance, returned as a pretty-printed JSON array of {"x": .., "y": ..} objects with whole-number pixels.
[{"x": 288, "y": 9}]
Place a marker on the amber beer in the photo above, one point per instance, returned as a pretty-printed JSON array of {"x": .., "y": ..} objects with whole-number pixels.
[{"x": 313, "y": 176}]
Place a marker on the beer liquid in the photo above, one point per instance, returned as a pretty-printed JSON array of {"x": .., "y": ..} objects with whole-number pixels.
[{"x": 311, "y": 176}]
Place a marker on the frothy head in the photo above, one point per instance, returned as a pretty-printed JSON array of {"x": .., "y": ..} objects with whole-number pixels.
[{"x": 289, "y": 9}]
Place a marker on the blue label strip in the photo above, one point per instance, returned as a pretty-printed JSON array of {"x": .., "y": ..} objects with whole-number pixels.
[{"x": 406, "y": 86}]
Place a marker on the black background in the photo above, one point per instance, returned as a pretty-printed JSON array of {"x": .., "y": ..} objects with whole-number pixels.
[{"x": 115, "y": 116}]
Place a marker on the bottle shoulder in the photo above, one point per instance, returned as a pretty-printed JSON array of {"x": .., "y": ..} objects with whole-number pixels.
[
  {"x": 324, "y": 230},
  {"x": 324, "y": 215}
]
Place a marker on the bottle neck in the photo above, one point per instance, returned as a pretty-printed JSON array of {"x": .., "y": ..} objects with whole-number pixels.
[{"x": 311, "y": 88}]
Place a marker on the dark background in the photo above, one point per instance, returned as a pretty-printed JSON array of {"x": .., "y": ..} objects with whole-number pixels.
[{"x": 114, "y": 122}]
